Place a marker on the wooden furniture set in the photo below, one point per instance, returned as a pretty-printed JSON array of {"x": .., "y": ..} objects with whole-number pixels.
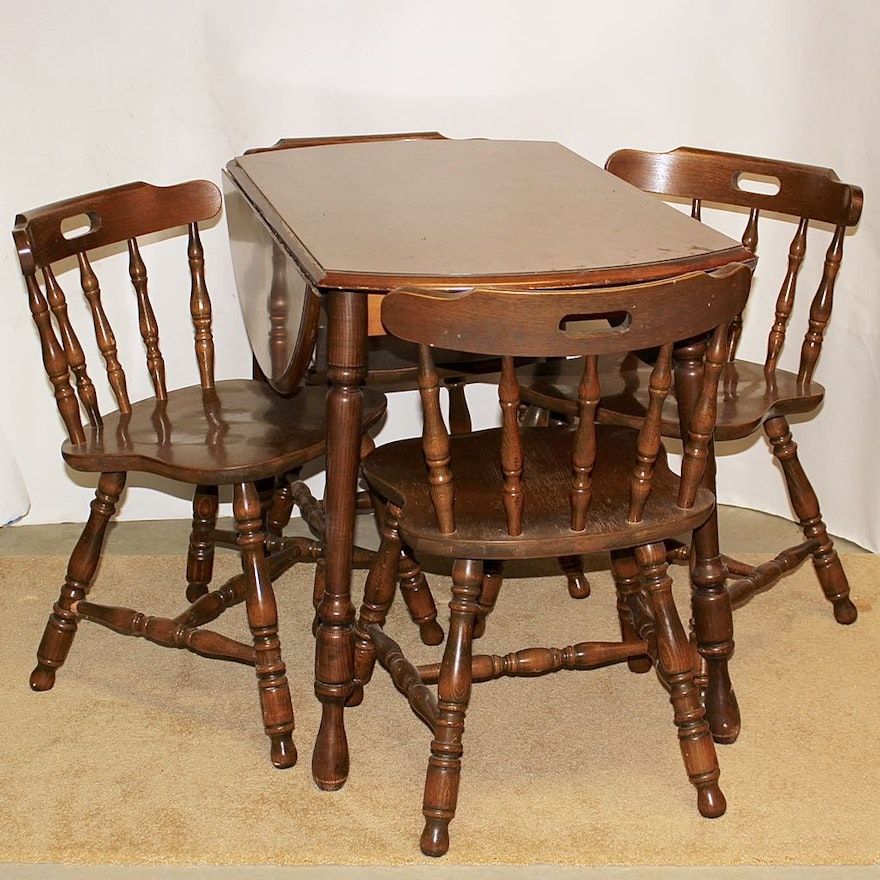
[{"x": 470, "y": 254}]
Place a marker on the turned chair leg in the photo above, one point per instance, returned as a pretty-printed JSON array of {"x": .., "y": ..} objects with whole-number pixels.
[
  {"x": 417, "y": 598},
  {"x": 262, "y": 614},
  {"x": 61, "y": 626},
  {"x": 378, "y": 595},
  {"x": 453, "y": 696},
  {"x": 267, "y": 492},
  {"x": 630, "y": 597},
  {"x": 826, "y": 562},
  {"x": 413, "y": 585},
  {"x": 279, "y": 512},
  {"x": 674, "y": 665},
  {"x": 200, "y": 559},
  {"x": 573, "y": 569},
  {"x": 459, "y": 413},
  {"x": 493, "y": 575},
  {"x": 713, "y": 632}
]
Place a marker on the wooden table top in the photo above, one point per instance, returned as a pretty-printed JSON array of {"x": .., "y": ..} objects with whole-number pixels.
[{"x": 371, "y": 216}]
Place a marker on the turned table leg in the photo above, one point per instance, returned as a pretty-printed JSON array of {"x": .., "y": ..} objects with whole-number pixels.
[{"x": 334, "y": 639}]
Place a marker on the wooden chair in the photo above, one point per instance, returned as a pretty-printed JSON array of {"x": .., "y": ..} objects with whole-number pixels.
[
  {"x": 233, "y": 433},
  {"x": 752, "y": 395},
  {"x": 523, "y": 492}
]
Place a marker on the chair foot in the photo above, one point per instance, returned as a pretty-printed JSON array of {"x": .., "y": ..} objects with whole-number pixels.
[
  {"x": 640, "y": 665},
  {"x": 710, "y": 801},
  {"x": 417, "y": 596},
  {"x": 431, "y": 633},
  {"x": 42, "y": 678},
  {"x": 330, "y": 756},
  {"x": 722, "y": 708},
  {"x": 829, "y": 571},
  {"x": 435, "y": 838},
  {"x": 573, "y": 569},
  {"x": 726, "y": 736},
  {"x": 845, "y": 612},
  {"x": 195, "y": 591},
  {"x": 283, "y": 752}
]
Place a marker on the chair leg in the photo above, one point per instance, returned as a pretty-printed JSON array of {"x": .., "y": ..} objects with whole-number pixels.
[
  {"x": 573, "y": 569},
  {"x": 625, "y": 571},
  {"x": 378, "y": 595},
  {"x": 278, "y": 515},
  {"x": 826, "y": 562},
  {"x": 200, "y": 559},
  {"x": 533, "y": 416},
  {"x": 310, "y": 508},
  {"x": 414, "y": 587},
  {"x": 262, "y": 616},
  {"x": 417, "y": 597},
  {"x": 453, "y": 695},
  {"x": 674, "y": 665},
  {"x": 493, "y": 575},
  {"x": 61, "y": 626},
  {"x": 713, "y": 631},
  {"x": 266, "y": 492},
  {"x": 459, "y": 414}
]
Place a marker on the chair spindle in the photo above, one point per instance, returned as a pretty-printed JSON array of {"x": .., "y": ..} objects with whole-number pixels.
[
  {"x": 511, "y": 447},
  {"x": 696, "y": 450},
  {"x": 200, "y": 307},
  {"x": 820, "y": 310},
  {"x": 147, "y": 320},
  {"x": 104, "y": 333},
  {"x": 435, "y": 442},
  {"x": 650, "y": 435},
  {"x": 55, "y": 361},
  {"x": 785, "y": 301},
  {"x": 583, "y": 456}
]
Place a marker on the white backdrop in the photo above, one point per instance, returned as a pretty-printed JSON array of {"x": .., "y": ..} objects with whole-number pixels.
[{"x": 100, "y": 93}]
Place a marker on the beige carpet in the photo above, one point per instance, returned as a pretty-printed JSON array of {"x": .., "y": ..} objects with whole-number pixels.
[{"x": 142, "y": 755}]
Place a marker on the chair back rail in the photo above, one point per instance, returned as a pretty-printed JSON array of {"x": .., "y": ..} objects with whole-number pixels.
[
  {"x": 113, "y": 216},
  {"x": 806, "y": 193},
  {"x": 565, "y": 323}
]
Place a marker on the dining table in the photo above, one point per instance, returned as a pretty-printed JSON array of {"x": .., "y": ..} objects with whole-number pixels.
[{"x": 339, "y": 222}]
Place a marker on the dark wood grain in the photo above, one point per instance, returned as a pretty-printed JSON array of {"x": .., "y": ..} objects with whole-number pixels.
[
  {"x": 235, "y": 433},
  {"x": 516, "y": 492},
  {"x": 356, "y": 216},
  {"x": 752, "y": 395},
  {"x": 361, "y": 216}
]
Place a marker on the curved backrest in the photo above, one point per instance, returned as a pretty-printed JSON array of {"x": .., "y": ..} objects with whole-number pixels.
[
  {"x": 806, "y": 193},
  {"x": 587, "y": 322},
  {"x": 79, "y": 226}
]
